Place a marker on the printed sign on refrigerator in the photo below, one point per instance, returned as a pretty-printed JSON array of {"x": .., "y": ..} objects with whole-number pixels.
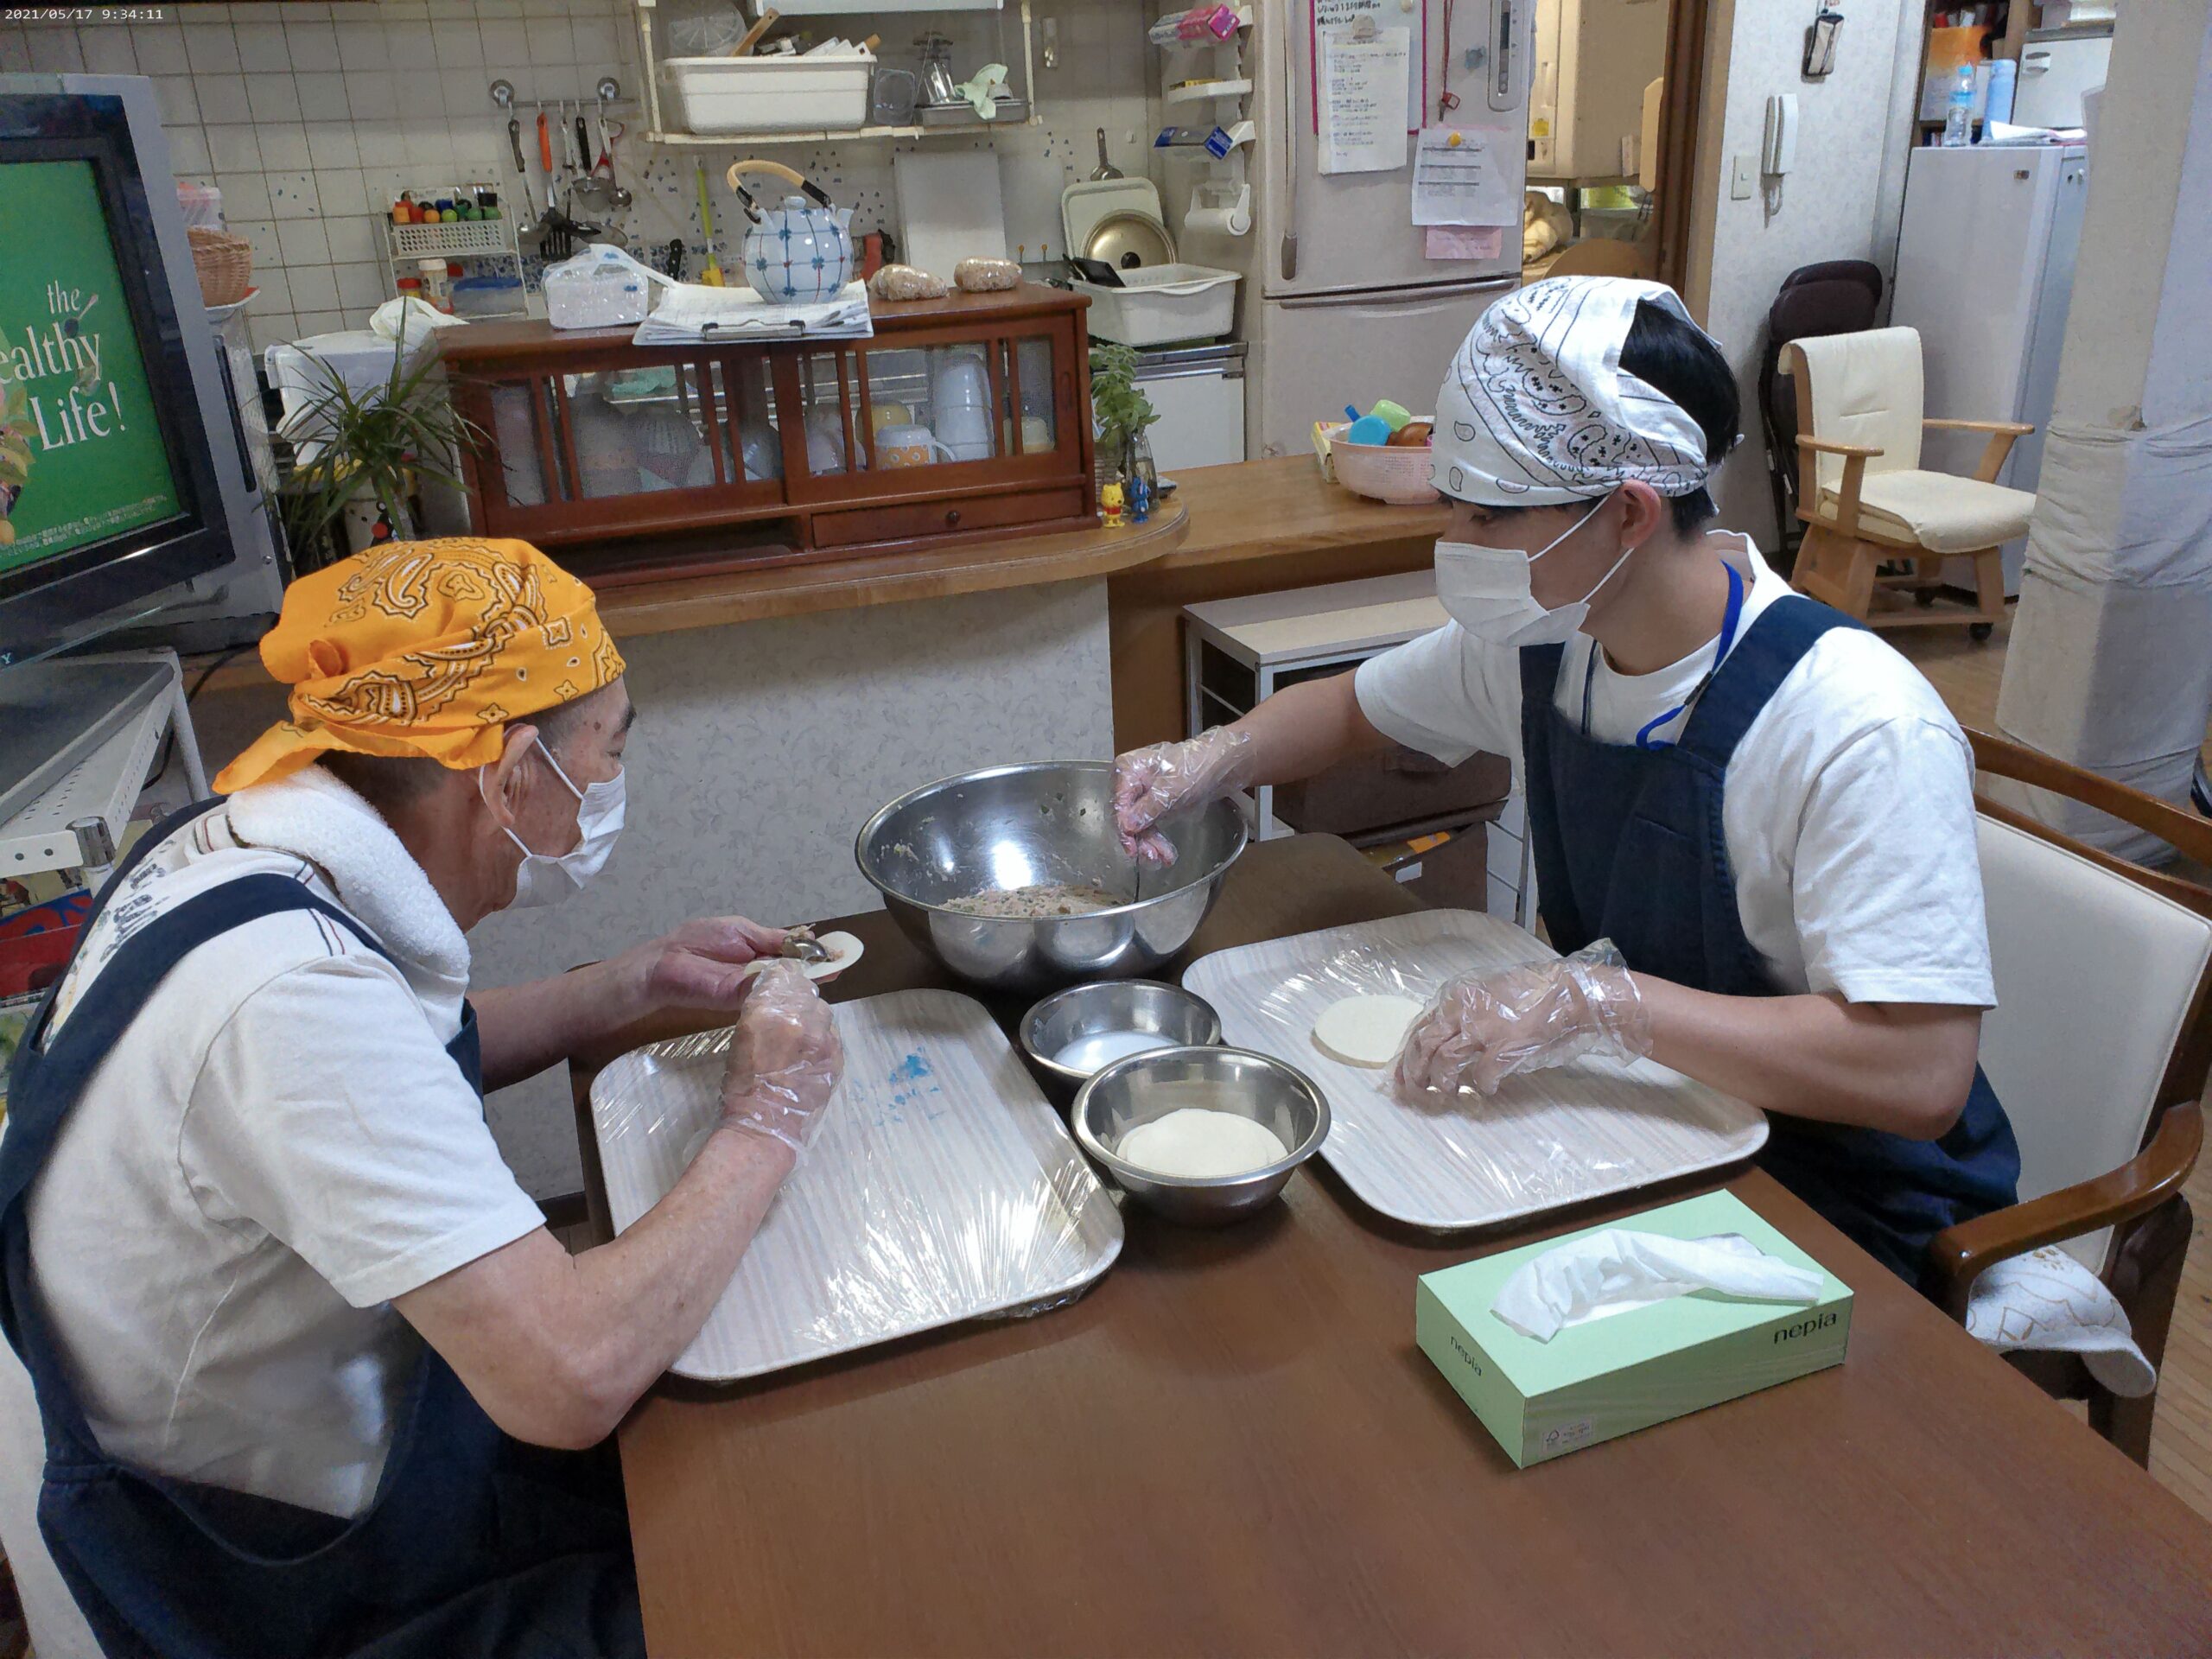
[
  {"x": 1340, "y": 16},
  {"x": 1364, "y": 103},
  {"x": 1457, "y": 180}
]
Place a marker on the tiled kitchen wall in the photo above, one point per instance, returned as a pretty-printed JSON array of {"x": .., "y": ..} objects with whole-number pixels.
[{"x": 313, "y": 116}]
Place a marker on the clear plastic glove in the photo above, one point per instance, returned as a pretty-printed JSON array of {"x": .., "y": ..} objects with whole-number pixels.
[
  {"x": 1483, "y": 1028},
  {"x": 785, "y": 1060},
  {"x": 1149, "y": 783}
]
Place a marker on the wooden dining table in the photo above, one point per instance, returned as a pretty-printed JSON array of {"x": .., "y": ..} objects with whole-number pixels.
[{"x": 1231, "y": 1446}]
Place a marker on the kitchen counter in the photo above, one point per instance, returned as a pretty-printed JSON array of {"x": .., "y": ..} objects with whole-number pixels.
[{"x": 1258, "y": 527}]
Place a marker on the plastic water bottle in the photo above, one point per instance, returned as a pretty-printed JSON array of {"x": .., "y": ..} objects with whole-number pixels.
[{"x": 1958, "y": 120}]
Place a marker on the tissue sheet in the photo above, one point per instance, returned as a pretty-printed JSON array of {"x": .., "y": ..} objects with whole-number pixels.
[
  {"x": 1616, "y": 1271},
  {"x": 1547, "y": 1139},
  {"x": 941, "y": 1187}
]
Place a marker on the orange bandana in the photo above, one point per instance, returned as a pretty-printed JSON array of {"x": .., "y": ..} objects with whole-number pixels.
[{"x": 425, "y": 648}]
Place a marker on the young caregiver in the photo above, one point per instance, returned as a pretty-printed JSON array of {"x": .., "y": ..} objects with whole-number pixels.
[{"x": 1752, "y": 821}]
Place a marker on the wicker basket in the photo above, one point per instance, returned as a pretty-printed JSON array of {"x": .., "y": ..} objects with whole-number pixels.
[{"x": 224, "y": 261}]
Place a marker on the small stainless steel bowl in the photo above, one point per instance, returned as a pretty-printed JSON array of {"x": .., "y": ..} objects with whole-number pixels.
[
  {"x": 1046, "y": 824},
  {"x": 1148, "y": 1086},
  {"x": 1177, "y": 1017}
]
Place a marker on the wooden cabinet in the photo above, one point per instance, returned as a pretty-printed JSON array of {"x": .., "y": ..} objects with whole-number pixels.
[{"x": 965, "y": 418}]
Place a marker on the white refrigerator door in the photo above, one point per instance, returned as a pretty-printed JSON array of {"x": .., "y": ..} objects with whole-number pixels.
[
  {"x": 1310, "y": 357},
  {"x": 1355, "y": 230},
  {"x": 1970, "y": 270}
]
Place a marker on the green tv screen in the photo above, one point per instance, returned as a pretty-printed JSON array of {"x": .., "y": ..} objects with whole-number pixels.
[{"x": 81, "y": 455}]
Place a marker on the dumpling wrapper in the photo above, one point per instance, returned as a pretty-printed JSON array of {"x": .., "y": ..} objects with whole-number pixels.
[
  {"x": 844, "y": 950},
  {"x": 1365, "y": 1030}
]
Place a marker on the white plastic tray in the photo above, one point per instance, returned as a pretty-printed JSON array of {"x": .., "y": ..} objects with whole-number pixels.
[
  {"x": 1547, "y": 1140},
  {"x": 942, "y": 1187}
]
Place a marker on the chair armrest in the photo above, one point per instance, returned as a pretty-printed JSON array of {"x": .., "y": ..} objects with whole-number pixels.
[
  {"x": 2012, "y": 426},
  {"x": 2182, "y": 830},
  {"x": 1958, "y": 1255},
  {"x": 1855, "y": 457},
  {"x": 2002, "y": 435}
]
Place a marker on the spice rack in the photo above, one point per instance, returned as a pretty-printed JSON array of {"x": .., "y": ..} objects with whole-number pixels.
[{"x": 472, "y": 239}]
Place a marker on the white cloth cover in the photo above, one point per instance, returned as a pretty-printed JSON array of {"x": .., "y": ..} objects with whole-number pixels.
[
  {"x": 2046, "y": 1301},
  {"x": 1941, "y": 512},
  {"x": 1536, "y": 410},
  {"x": 1865, "y": 388}
]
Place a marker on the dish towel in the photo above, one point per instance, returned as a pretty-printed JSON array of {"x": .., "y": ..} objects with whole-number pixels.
[{"x": 2047, "y": 1301}]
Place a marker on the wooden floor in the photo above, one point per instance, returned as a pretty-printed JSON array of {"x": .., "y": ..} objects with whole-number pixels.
[{"x": 2181, "y": 1436}]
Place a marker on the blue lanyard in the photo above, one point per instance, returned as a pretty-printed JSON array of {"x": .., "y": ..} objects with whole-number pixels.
[{"x": 1643, "y": 738}]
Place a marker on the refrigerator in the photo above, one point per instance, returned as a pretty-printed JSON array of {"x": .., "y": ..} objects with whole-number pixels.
[
  {"x": 1340, "y": 304},
  {"x": 1985, "y": 273}
]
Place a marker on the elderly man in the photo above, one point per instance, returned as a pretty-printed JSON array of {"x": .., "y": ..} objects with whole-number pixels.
[{"x": 313, "y": 1377}]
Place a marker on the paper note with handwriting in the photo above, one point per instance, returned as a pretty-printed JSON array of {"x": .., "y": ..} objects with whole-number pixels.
[
  {"x": 1364, "y": 102},
  {"x": 1461, "y": 176}
]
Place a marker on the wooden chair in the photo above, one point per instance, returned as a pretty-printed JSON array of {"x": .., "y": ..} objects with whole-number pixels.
[
  {"x": 1865, "y": 501},
  {"x": 2099, "y": 1048}
]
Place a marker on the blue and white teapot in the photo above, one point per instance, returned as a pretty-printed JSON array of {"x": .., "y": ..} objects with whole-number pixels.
[{"x": 800, "y": 251}]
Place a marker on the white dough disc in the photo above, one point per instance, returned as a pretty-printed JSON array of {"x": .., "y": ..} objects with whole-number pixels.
[
  {"x": 844, "y": 950},
  {"x": 1365, "y": 1030},
  {"x": 1196, "y": 1143}
]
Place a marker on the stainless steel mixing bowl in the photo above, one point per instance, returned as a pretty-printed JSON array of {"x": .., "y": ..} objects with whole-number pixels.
[
  {"x": 1148, "y": 1086},
  {"x": 1048, "y": 823},
  {"x": 1174, "y": 1017}
]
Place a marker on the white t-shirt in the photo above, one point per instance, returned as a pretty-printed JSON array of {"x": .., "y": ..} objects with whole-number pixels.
[
  {"x": 1849, "y": 804},
  {"x": 276, "y": 1147}
]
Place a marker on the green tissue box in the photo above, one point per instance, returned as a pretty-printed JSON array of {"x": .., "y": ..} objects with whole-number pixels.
[{"x": 1623, "y": 1371}]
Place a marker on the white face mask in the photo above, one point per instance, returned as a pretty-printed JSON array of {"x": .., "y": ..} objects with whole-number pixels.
[
  {"x": 1485, "y": 590},
  {"x": 547, "y": 879}
]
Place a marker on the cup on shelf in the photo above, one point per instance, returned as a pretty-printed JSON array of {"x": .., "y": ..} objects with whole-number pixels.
[
  {"x": 909, "y": 445},
  {"x": 965, "y": 430}
]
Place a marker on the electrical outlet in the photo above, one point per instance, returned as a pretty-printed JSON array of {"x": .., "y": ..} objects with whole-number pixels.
[{"x": 1745, "y": 178}]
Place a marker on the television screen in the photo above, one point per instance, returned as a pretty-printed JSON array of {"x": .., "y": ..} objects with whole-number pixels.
[{"x": 82, "y": 455}]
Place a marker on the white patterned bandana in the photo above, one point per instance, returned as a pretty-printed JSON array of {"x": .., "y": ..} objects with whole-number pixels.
[{"x": 1536, "y": 410}]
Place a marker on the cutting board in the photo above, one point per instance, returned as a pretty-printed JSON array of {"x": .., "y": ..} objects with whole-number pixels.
[{"x": 949, "y": 208}]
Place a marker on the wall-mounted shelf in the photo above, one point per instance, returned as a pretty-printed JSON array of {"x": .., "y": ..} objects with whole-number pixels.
[
  {"x": 657, "y": 132},
  {"x": 835, "y": 135},
  {"x": 1206, "y": 92}
]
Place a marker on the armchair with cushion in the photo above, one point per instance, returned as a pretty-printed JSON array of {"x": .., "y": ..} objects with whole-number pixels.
[
  {"x": 2099, "y": 1048},
  {"x": 1866, "y": 502}
]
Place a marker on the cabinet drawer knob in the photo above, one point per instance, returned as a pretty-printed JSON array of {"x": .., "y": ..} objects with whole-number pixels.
[{"x": 951, "y": 517}]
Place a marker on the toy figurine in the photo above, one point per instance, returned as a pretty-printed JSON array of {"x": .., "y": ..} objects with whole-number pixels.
[
  {"x": 1109, "y": 503},
  {"x": 1139, "y": 498}
]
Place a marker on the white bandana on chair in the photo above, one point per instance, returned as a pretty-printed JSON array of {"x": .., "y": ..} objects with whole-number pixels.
[{"x": 1536, "y": 410}]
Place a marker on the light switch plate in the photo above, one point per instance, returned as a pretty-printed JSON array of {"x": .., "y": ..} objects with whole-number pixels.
[{"x": 1746, "y": 176}]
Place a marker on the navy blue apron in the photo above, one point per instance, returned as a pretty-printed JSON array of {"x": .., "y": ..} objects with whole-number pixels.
[
  {"x": 474, "y": 1543},
  {"x": 1628, "y": 846}
]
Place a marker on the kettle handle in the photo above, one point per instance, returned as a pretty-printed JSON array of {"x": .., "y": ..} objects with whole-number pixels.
[{"x": 791, "y": 175}]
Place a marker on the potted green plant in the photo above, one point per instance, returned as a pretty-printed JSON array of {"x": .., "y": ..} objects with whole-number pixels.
[
  {"x": 1121, "y": 414},
  {"x": 370, "y": 453}
]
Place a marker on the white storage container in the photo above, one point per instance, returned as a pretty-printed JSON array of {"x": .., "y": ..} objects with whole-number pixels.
[
  {"x": 1160, "y": 303},
  {"x": 770, "y": 94}
]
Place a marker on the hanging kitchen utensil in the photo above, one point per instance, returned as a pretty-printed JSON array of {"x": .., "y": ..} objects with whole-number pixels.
[
  {"x": 1106, "y": 168},
  {"x": 800, "y": 251},
  {"x": 712, "y": 275}
]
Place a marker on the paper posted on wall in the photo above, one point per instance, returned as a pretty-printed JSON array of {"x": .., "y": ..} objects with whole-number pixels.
[{"x": 1363, "y": 102}]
